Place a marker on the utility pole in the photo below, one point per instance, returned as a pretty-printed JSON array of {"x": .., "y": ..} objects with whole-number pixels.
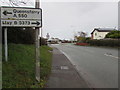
[
  {"x": 41, "y": 32},
  {"x": 37, "y": 5},
  {"x": 6, "y": 45}
]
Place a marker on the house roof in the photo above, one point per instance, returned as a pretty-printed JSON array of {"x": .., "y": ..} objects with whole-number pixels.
[{"x": 103, "y": 30}]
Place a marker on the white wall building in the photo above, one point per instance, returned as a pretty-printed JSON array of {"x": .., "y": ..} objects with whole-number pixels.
[{"x": 100, "y": 33}]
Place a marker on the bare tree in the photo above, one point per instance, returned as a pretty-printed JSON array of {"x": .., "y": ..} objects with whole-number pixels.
[
  {"x": 82, "y": 34},
  {"x": 17, "y": 3},
  {"x": 3, "y": 2}
]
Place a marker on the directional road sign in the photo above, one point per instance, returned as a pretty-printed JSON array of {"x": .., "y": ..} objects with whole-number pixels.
[
  {"x": 21, "y": 23},
  {"x": 21, "y": 17}
]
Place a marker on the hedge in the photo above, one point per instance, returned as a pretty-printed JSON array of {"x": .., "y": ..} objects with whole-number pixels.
[
  {"x": 43, "y": 41},
  {"x": 22, "y": 36},
  {"x": 111, "y": 43}
]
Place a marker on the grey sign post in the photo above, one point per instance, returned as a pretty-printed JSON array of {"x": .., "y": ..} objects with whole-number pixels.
[
  {"x": 6, "y": 46},
  {"x": 37, "y": 5}
]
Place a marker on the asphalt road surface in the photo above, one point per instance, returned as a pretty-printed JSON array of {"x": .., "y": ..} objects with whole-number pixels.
[{"x": 98, "y": 66}]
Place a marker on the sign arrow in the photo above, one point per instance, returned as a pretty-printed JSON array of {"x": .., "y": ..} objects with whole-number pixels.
[
  {"x": 36, "y": 23},
  {"x": 5, "y": 13}
]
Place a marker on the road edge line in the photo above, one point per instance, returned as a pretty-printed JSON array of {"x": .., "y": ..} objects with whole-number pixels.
[{"x": 87, "y": 82}]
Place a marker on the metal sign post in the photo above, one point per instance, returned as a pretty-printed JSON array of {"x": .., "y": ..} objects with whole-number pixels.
[
  {"x": 37, "y": 4},
  {"x": 6, "y": 46},
  {"x": 37, "y": 56}
]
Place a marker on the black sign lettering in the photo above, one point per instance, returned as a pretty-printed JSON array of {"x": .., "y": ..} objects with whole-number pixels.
[
  {"x": 15, "y": 15},
  {"x": 6, "y": 13},
  {"x": 6, "y": 22},
  {"x": 37, "y": 23},
  {"x": 22, "y": 15},
  {"x": 15, "y": 22}
]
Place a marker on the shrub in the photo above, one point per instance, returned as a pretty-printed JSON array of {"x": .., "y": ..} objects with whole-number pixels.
[
  {"x": 82, "y": 44},
  {"x": 20, "y": 36},
  {"x": 113, "y": 34},
  {"x": 43, "y": 41},
  {"x": 112, "y": 43}
]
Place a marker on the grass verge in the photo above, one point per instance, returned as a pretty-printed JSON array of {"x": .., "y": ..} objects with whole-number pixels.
[
  {"x": 19, "y": 71},
  {"x": 46, "y": 61}
]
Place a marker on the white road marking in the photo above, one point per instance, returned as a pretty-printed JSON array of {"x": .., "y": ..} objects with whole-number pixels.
[
  {"x": 64, "y": 67},
  {"x": 65, "y": 54},
  {"x": 68, "y": 57},
  {"x": 78, "y": 70},
  {"x": 111, "y": 56}
]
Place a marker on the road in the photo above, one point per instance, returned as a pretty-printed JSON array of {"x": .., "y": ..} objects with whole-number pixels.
[{"x": 98, "y": 66}]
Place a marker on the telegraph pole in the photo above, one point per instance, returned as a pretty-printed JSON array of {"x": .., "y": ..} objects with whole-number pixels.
[
  {"x": 6, "y": 46},
  {"x": 37, "y": 5},
  {"x": 41, "y": 32}
]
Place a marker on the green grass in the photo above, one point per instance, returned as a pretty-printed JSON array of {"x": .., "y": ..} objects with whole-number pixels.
[
  {"x": 46, "y": 61},
  {"x": 19, "y": 71}
]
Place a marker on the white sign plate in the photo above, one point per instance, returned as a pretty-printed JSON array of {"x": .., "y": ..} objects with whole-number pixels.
[
  {"x": 21, "y": 17},
  {"x": 21, "y": 23}
]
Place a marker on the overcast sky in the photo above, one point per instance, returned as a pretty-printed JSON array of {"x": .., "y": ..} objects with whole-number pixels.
[{"x": 63, "y": 19}]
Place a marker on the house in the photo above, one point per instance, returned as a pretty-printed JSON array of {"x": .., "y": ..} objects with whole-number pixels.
[{"x": 100, "y": 33}]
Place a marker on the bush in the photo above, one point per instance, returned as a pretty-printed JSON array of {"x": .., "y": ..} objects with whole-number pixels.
[
  {"x": 83, "y": 39},
  {"x": 82, "y": 44},
  {"x": 113, "y": 34},
  {"x": 112, "y": 43},
  {"x": 43, "y": 41},
  {"x": 20, "y": 36}
]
